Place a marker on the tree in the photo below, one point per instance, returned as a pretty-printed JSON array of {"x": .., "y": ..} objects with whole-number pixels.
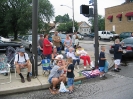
[
  {"x": 67, "y": 27},
  {"x": 101, "y": 23},
  {"x": 16, "y": 16},
  {"x": 62, "y": 19}
]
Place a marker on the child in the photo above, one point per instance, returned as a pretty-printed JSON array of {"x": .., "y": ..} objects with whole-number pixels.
[
  {"x": 102, "y": 60},
  {"x": 117, "y": 54},
  {"x": 70, "y": 75}
]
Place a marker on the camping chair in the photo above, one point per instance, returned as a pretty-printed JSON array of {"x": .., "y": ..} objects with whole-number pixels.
[{"x": 5, "y": 68}]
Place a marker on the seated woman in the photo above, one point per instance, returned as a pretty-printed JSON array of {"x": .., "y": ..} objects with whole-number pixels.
[
  {"x": 72, "y": 55},
  {"x": 56, "y": 75},
  {"x": 83, "y": 55},
  {"x": 55, "y": 56}
]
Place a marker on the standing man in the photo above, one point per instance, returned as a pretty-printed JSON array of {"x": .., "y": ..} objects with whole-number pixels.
[
  {"x": 40, "y": 44},
  {"x": 73, "y": 38},
  {"x": 56, "y": 41}
]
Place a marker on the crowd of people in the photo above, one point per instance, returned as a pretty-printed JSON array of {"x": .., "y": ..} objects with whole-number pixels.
[{"x": 64, "y": 68}]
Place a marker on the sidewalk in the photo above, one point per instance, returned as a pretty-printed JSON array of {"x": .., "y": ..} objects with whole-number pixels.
[
  {"x": 100, "y": 42},
  {"x": 41, "y": 82}
]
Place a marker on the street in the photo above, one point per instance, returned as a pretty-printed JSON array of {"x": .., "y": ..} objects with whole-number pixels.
[{"x": 117, "y": 86}]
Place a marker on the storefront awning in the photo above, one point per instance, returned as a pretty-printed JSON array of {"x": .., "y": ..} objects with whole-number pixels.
[
  {"x": 119, "y": 15},
  {"x": 129, "y": 14},
  {"x": 110, "y": 17}
]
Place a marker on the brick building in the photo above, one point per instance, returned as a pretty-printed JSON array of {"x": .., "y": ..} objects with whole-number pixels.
[{"x": 120, "y": 18}]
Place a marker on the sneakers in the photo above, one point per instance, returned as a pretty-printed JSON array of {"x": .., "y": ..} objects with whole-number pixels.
[
  {"x": 102, "y": 78},
  {"x": 22, "y": 80},
  {"x": 119, "y": 68},
  {"x": 84, "y": 67},
  {"x": 116, "y": 70},
  {"x": 28, "y": 79}
]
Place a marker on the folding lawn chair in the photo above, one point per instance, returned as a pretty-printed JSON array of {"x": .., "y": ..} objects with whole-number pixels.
[
  {"x": 5, "y": 68},
  {"x": 46, "y": 66}
]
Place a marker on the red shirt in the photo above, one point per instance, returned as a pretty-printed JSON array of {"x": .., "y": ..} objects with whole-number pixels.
[{"x": 47, "y": 49}]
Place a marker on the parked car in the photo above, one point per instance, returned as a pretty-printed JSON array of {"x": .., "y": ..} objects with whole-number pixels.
[
  {"x": 5, "y": 39},
  {"x": 27, "y": 41},
  {"x": 80, "y": 37},
  {"x": 4, "y": 45},
  {"x": 124, "y": 35},
  {"x": 106, "y": 35},
  {"x": 127, "y": 47},
  {"x": 91, "y": 35}
]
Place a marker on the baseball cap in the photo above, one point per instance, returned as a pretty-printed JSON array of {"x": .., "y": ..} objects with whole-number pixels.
[{"x": 22, "y": 50}]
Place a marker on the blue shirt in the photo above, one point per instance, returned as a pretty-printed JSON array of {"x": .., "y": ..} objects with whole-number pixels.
[{"x": 117, "y": 53}]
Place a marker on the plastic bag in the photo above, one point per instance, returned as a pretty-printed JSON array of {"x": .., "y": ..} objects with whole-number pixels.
[{"x": 63, "y": 88}]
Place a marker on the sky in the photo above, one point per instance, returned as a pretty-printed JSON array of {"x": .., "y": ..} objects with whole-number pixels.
[{"x": 61, "y": 10}]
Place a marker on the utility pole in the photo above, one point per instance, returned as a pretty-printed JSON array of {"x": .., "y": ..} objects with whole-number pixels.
[
  {"x": 73, "y": 15},
  {"x": 34, "y": 36},
  {"x": 96, "y": 33}
]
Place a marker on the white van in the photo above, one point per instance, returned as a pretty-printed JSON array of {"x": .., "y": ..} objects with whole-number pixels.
[{"x": 106, "y": 35}]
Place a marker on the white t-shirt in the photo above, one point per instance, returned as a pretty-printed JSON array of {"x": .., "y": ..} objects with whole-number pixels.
[
  {"x": 21, "y": 58},
  {"x": 71, "y": 55}
]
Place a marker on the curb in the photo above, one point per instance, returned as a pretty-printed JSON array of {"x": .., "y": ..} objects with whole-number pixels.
[{"x": 38, "y": 87}]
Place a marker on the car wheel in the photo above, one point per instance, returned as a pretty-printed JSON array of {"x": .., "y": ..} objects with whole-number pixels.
[
  {"x": 61, "y": 46},
  {"x": 99, "y": 38},
  {"x": 110, "y": 38},
  {"x": 30, "y": 48}
]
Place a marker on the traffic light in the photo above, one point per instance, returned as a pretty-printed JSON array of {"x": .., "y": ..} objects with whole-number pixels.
[{"x": 84, "y": 9}]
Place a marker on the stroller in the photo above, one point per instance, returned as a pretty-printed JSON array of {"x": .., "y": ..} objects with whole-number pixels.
[{"x": 10, "y": 54}]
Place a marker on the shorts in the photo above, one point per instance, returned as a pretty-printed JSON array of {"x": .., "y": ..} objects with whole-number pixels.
[
  {"x": 117, "y": 61},
  {"x": 50, "y": 80},
  {"x": 101, "y": 69},
  {"x": 58, "y": 49},
  {"x": 70, "y": 82}
]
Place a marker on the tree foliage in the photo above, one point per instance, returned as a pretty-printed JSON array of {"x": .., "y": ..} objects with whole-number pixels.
[
  {"x": 62, "y": 19},
  {"x": 67, "y": 27},
  {"x": 16, "y": 16},
  {"x": 101, "y": 23}
]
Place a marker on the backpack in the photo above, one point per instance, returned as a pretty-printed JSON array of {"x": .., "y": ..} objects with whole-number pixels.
[{"x": 24, "y": 58}]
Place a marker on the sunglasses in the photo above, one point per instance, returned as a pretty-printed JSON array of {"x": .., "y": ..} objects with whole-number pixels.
[{"x": 59, "y": 62}]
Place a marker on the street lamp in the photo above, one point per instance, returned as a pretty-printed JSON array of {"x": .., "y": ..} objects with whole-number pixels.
[{"x": 72, "y": 12}]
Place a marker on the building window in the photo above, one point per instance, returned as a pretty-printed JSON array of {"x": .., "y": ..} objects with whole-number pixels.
[
  {"x": 84, "y": 30},
  {"x": 111, "y": 20},
  {"x": 120, "y": 18},
  {"x": 130, "y": 18}
]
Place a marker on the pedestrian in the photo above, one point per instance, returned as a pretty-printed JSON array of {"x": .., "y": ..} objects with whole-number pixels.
[
  {"x": 102, "y": 60},
  {"x": 67, "y": 43},
  {"x": 83, "y": 55},
  {"x": 76, "y": 44},
  {"x": 40, "y": 44},
  {"x": 56, "y": 41},
  {"x": 132, "y": 34},
  {"x": 73, "y": 38},
  {"x": 117, "y": 55},
  {"x": 47, "y": 47},
  {"x": 70, "y": 75},
  {"x": 22, "y": 61}
]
